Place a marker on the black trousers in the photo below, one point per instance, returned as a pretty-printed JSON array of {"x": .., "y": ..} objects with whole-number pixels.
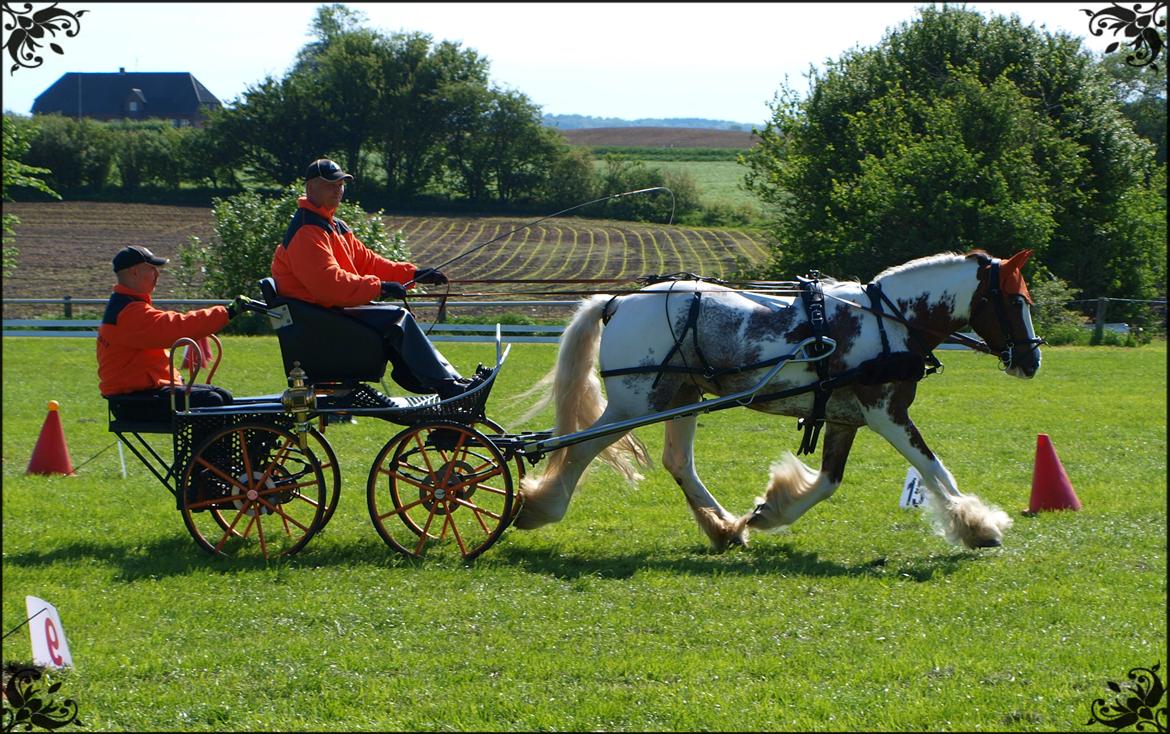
[
  {"x": 415, "y": 363},
  {"x": 155, "y": 405}
]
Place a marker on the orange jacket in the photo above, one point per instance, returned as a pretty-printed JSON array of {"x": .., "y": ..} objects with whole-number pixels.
[
  {"x": 322, "y": 262},
  {"x": 133, "y": 339}
]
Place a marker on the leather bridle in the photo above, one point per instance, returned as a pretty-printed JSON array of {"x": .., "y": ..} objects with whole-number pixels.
[{"x": 989, "y": 273}]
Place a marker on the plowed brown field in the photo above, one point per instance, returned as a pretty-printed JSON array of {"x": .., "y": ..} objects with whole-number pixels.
[{"x": 65, "y": 247}]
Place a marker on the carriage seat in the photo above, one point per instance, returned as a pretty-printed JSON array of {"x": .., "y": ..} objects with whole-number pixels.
[
  {"x": 139, "y": 414},
  {"x": 331, "y": 346}
]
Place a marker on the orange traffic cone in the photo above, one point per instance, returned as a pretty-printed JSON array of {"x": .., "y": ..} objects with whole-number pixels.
[
  {"x": 200, "y": 358},
  {"x": 51, "y": 455},
  {"x": 1051, "y": 489}
]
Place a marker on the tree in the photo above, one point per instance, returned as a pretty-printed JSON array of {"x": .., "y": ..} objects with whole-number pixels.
[
  {"x": 276, "y": 129},
  {"x": 331, "y": 23},
  {"x": 422, "y": 87},
  {"x": 957, "y": 132},
  {"x": 522, "y": 149},
  {"x": 79, "y": 152},
  {"x": 346, "y": 78},
  {"x": 18, "y": 132},
  {"x": 1141, "y": 92},
  {"x": 148, "y": 152}
]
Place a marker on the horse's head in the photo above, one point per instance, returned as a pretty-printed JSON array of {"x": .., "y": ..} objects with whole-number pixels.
[{"x": 1001, "y": 316}]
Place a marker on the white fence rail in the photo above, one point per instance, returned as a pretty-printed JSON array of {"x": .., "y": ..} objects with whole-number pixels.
[{"x": 439, "y": 332}]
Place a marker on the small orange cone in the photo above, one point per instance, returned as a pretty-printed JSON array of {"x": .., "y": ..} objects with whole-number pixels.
[
  {"x": 1051, "y": 489},
  {"x": 200, "y": 358},
  {"x": 51, "y": 455}
]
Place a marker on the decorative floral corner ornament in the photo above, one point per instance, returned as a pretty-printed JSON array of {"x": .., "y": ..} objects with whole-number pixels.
[
  {"x": 28, "y": 700},
  {"x": 26, "y": 31},
  {"x": 1140, "y": 25},
  {"x": 1135, "y": 703}
]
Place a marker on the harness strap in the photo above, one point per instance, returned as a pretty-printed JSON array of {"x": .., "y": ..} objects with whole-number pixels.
[
  {"x": 706, "y": 370},
  {"x": 813, "y": 298},
  {"x": 874, "y": 291},
  {"x": 687, "y": 370},
  {"x": 932, "y": 363}
]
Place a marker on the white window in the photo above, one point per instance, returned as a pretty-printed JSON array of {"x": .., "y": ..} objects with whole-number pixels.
[{"x": 133, "y": 106}]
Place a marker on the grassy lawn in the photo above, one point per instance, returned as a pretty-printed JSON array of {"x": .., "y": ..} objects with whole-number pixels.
[
  {"x": 619, "y": 617},
  {"x": 718, "y": 182}
]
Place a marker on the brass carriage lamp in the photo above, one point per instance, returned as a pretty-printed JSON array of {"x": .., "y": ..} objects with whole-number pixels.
[{"x": 299, "y": 399}]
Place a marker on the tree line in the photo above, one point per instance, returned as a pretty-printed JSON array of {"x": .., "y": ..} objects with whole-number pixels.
[
  {"x": 418, "y": 123},
  {"x": 959, "y": 132}
]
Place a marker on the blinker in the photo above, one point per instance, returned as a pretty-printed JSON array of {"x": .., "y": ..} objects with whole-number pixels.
[{"x": 1011, "y": 277}]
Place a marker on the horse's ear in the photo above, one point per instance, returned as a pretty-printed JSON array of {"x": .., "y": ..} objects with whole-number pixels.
[
  {"x": 1018, "y": 260},
  {"x": 1011, "y": 279}
]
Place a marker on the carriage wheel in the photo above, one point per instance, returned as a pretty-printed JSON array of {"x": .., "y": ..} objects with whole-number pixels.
[
  {"x": 334, "y": 472},
  {"x": 251, "y": 491},
  {"x": 331, "y": 469},
  {"x": 440, "y": 487}
]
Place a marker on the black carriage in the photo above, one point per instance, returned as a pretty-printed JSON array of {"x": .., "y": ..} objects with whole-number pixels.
[{"x": 259, "y": 478}]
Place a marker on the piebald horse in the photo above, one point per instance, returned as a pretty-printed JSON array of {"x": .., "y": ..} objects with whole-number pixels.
[{"x": 657, "y": 355}]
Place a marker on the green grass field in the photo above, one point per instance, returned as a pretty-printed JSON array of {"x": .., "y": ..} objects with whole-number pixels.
[
  {"x": 718, "y": 181},
  {"x": 619, "y": 617}
]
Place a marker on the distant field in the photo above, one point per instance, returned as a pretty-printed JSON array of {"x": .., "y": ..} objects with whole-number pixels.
[
  {"x": 718, "y": 182},
  {"x": 660, "y": 137},
  {"x": 65, "y": 247}
]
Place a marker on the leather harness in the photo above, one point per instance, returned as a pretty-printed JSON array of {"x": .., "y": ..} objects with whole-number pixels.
[{"x": 886, "y": 367}]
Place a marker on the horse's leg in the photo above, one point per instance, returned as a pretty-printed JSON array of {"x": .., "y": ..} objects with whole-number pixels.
[
  {"x": 794, "y": 488},
  {"x": 960, "y": 518},
  {"x": 678, "y": 457},
  {"x": 546, "y": 497}
]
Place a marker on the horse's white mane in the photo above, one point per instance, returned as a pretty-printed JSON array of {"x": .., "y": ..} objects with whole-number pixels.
[{"x": 922, "y": 262}]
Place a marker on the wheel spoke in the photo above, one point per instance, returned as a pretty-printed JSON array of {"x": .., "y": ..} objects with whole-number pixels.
[
  {"x": 279, "y": 510},
  {"x": 458, "y": 537},
  {"x": 477, "y": 510},
  {"x": 400, "y": 511},
  {"x": 422, "y": 539}
]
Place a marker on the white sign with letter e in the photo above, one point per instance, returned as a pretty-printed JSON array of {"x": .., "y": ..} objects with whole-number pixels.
[
  {"x": 48, "y": 636},
  {"x": 912, "y": 495}
]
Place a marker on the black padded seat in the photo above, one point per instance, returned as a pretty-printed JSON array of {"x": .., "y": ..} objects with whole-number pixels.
[
  {"x": 331, "y": 346},
  {"x": 139, "y": 414}
]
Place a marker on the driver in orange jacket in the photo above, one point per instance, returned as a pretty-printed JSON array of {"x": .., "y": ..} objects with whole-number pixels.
[
  {"x": 322, "y": 262},
  {"x": 134, "y": 337}
]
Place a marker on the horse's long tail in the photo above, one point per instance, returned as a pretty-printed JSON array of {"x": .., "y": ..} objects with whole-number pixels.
[{"x": 576, "y": 393}]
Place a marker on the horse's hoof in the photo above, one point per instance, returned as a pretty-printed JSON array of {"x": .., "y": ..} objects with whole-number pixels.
[{"x": 988, "y": 543}]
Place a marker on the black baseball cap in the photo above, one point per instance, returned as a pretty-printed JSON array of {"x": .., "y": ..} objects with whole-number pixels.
[
  {"x": 132, "y": 255},
  {"x": 326, "y": 169}
]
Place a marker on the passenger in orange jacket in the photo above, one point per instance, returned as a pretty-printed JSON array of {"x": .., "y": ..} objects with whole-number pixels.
[
  {"x": 134, "y": 337},
  {"x": 322, "y": 262}
]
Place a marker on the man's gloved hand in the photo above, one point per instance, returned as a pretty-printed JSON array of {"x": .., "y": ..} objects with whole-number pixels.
[
  {"x": 430, "y": 276},
  {"x": 237, "y": 307},
  {"x": 390, "y": 289}
]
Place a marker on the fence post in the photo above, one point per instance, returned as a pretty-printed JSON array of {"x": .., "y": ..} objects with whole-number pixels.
[
  {"x": 1099, "y": 327},
  {"x": 68, "y": 300}
]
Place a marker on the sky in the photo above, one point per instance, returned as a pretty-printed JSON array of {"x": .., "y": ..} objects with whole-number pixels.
[{"x": 719, "y": 61}]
